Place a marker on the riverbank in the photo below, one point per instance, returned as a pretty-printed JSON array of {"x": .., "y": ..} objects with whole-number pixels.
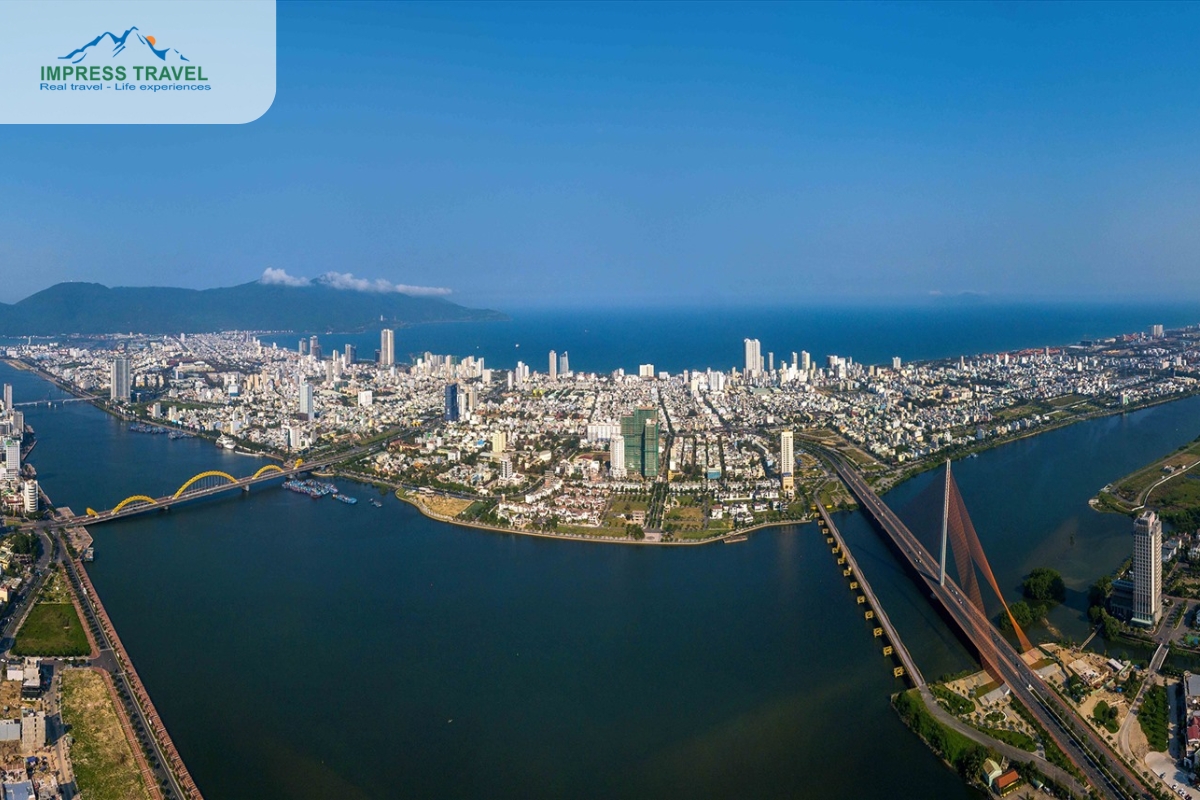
[
  {"x": 882, "y": 485},
  {"x": 730, "y": 536},
  {"x": 128, "y": 687}
]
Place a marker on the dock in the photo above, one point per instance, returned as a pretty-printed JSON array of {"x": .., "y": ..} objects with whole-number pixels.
[{"x": 874, "y": 612}]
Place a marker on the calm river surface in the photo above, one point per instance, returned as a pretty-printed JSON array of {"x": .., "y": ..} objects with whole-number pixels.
[{"x": 299, "y": 648}]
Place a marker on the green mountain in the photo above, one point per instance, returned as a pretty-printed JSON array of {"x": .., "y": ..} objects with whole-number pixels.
[{"x": 92, "y": 308}]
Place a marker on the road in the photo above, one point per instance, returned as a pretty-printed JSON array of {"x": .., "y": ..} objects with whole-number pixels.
[
  {"x": 1156, "y": 663},
  {"x": 108, "y": 662},
  {"x": 1102, "y": 768}
]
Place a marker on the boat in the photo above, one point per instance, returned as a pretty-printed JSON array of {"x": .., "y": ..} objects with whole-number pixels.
[
  {"x": 345, "y": 499},
  {"x": 226, "y": 442},
  {"x": 314, "y": 489},
  {"x": 739, "y": 538},
  {"x": 376, "y": 503}
]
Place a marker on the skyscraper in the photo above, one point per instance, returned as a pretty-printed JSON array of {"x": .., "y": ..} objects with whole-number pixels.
[
  {"x": 805, "y": 361},
  {"x": 119, "y": 380},
  {"x": 451, "y": 413},
  {"x": 351, "y": 354},
  {"x": 754, "y": 360},
  {"x": 639, "y": 432},
  {"x": 12, "y": 458},
  {"x": 314, "y": 348},
  {"x": 387, "y": 347},
  {"x": 306, "y": 400},
  {"x": 564, "y": 364},
  {"x": 1147, "y": 569},
  {"x": 553, "y": 365},
  {"x": 302, "y": 348},
  {"x": 8, "y": 396},
  {"x": 616, "y": 457},
  {"x": 787, "y": 464},
  {"x": 29, "y": 496}
]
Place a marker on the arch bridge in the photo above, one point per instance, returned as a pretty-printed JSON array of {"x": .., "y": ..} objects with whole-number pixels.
[{"x": 206, "y": 483}]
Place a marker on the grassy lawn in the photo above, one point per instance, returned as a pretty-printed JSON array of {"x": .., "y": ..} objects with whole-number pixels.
[
  {"x": 1131, "y": 486},
  {"x": 105, "y": 768},
  {"x": 52, "y": 629}
]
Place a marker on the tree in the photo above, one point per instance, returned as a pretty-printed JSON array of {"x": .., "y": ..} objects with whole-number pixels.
[{"x": 1044, "y": 585}]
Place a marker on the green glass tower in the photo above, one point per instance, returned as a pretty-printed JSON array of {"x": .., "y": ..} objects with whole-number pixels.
[{"x": 640, "y": 432}]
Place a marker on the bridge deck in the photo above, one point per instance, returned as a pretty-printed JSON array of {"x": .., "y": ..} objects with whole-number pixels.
[
  {"x": 901, "y": 651},
  {"x": 1105, "y": 772}
]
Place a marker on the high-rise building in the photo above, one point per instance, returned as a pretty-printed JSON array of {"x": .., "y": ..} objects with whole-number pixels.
[
  {"x": 639, "y": 431},
  {"x": 302, "y": 348},
  {"x": 387, "y": 347},
  {"x": 30, "y": 496},
  {"x": 895, "y": 362},
  {"x": 787, "y": 464},
  {"x": 1147, "y": 569},
  {"x": 616, "y": 457},
  {"x": 770, "y": 362},
  {"x": 805, "y": 361},
  {"x": 506, "y": 470},
  {"x": 314, "y": 348},
  {"x": 12, "y": 458},
  {"x": 1156, "y": 331},
  {"x": 8, "y": 396},
  {"x": 645, "y": 370},
  {"x": 553, "y": 365},
  {"x": 564, "y": 364},
  {"x": 451, "y": 412},
  {"x": 499, "y": 442},
  {"x": 119, "y": 382},
  {"x": 754, "y": 359},
  {"x": 306, "y": 400},
  {"x": 351, "y": 354}
]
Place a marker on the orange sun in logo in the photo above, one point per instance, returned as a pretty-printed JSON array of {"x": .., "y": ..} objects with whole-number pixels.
[{"x": 150, "y": 39}]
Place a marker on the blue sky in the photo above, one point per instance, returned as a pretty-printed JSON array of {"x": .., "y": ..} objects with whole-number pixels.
[{"x": 539, "y": 154}]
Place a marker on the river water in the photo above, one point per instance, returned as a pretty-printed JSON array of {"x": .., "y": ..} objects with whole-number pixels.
[{"x": 300, "y": 649}]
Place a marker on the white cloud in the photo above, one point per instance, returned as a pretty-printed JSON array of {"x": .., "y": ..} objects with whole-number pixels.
[
  {"x": 279, "y": 277},
  {"x": 347, "y": 281}
]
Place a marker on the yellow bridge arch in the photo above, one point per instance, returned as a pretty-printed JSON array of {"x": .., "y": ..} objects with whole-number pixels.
[
  {"x": 133, "y": 499},
  {"x": 212, "y": 473},
  {"x": 266, "y": 469}
]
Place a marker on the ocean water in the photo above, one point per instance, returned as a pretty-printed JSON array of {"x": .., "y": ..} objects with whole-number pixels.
[{"x": 675, "y": 339}]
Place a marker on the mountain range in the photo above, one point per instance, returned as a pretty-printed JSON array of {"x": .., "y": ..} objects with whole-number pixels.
[{"x": 90, "y": 308}]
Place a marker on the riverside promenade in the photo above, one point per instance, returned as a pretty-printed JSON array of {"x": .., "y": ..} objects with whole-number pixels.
[{"x": 126, "y": 681}]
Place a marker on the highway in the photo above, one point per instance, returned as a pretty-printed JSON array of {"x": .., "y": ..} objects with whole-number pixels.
[{"x": 1102, "y": 768}]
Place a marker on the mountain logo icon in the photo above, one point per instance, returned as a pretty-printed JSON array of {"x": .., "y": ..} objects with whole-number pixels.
[{"x": 132, "y": 45}]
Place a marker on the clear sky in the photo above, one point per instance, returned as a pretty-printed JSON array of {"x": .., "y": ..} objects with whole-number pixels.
[{"x": 548, "y": 154}]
